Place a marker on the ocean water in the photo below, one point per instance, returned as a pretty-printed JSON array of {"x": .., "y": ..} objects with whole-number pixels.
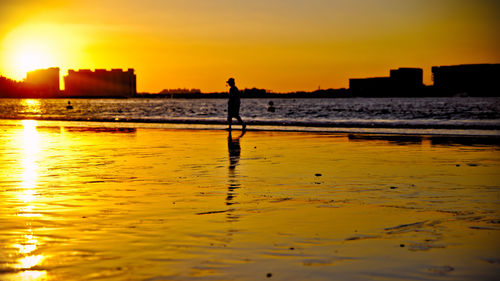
[{"x": 430, "y": 112}]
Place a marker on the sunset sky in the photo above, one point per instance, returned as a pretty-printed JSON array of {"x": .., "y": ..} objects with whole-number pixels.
[{"x": 281, "y": 45}]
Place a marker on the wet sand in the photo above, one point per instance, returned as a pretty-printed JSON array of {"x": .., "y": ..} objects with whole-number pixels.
[{"x": 85, "y": 203}]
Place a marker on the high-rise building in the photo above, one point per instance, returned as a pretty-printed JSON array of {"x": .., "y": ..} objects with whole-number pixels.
[
  {"x": 405, "y": 78},
  {"x": 100, "y": 83},
  {"x": 42, "y": 82},
  {"x": 402, "y": 82},
  {"x": 469, "y": 79}
]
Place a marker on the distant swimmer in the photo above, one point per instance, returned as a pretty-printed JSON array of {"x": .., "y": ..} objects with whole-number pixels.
[
  {"x": 233, "y": 104},
  {"x": 271, "y": 107},
  {"x": 69, "y": 106}
]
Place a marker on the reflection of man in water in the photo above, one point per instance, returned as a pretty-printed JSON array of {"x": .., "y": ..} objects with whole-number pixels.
[
  {"x": 233, "y": 146},
  {"x": 233, "y": 105}
]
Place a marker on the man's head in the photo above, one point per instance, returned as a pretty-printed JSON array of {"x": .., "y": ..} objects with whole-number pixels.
[{"x": 230, "y": 82}]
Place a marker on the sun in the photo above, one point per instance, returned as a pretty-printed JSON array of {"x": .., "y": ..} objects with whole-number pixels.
[
  {"x": 26, "y": 49},
  {"x": 32, "y": 56},
  {"x": 35, "y": 46}
]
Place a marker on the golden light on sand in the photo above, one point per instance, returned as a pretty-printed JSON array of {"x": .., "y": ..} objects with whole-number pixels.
[{"x": 295, "y": 204}]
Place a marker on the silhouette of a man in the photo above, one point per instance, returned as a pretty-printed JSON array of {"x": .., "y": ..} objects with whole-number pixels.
[{"x": 233, "y": 104}]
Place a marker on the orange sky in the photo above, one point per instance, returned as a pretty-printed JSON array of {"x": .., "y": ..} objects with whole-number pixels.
[{"x": 281, "y": 45}]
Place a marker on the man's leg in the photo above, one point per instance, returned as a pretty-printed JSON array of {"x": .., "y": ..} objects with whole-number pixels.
[{"x": 241, "y": 122}]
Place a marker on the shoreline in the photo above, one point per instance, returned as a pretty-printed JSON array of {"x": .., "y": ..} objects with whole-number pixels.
[
  {"x": 358, "y": 123},
  {"x": 373, "y": 131}
]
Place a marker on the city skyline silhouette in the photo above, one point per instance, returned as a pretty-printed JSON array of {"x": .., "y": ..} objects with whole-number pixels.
[{"x": 451, "y": 80}]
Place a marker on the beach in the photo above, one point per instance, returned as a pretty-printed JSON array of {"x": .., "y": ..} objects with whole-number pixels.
[{"x": 101, "y": 201}]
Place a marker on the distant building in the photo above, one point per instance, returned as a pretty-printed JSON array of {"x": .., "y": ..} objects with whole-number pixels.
[
  {"x": 9, "y": 88},
  {"x": 100, "y": 83},
  {"x": 402, "y": 82},
  {"x": 374, "y": 86},
  {"x": 407, "y": 78},
  {"x": 42, "y": 83},
  {"x": 180, "y": 91},
  {"x": 468, "y": 79}
]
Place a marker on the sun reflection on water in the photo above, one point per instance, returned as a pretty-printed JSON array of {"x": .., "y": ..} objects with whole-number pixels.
[
  {"x": 29, "y": 261},
  {"x": 32, "y": 275},
  {"x": 28, "y": 194},
  {"x": 29, "y": 244},
  {"x": 31, "y": 106},
  {"x": 29, "y": 161},
  {"x": 30, "y": 136}
]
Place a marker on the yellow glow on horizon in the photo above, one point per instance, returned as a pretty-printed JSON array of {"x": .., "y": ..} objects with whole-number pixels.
[{"x": 189, "y": 44}]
